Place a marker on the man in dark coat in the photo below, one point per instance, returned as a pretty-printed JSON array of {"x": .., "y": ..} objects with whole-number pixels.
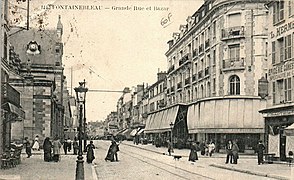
[
  {"x": 260, "y": 148},
  {"x": 229, "y": 147},
  {"x": 28, "y": 147}
]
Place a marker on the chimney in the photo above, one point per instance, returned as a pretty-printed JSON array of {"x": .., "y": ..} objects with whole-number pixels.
[
  {"x": 161, "y": 75},
  {"x": 170, "y": 43}
]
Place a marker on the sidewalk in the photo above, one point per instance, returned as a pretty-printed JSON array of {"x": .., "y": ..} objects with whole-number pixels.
[
  {"x": 35, "y": 168},
  {"x": 246, "y": 164}
]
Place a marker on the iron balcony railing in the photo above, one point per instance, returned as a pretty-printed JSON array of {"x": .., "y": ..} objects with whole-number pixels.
[
  {"x": 233, "y": 63},
  {"x": 233, "y": 32}
]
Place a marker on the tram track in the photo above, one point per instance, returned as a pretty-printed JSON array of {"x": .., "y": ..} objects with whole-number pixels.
[{"x": 184, "y": 171}]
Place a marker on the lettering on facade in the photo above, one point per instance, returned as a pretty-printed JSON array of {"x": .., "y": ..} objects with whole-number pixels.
[
  {"x": 280, "y": 113},
  {"x": 281, "y": 71},
  {"x": 282, "y": 29}
]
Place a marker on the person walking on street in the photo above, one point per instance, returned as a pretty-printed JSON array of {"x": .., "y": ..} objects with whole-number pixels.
[
  {"x": 56, "y": 149},
  {"x": 28, "y": 147},
  {"x": 229, "y": 147},
  {"x": 36, "y": 145},
  {"x": 47, "y": 147},
  {"x": 260, "y": 148},
  {"x": 193, "y": 153},
  {"x": 112, "y": 152},
  {"x": 235, "y": 152},
  {"x": 75, "y": 145},
  {"x": 169, "y": 147},
  {"x": 211, "y": 148},
  {"x": 65, "y": 146},
  {"x": 90, "y": 152},
  {"x": 69, "y": 144},
  {"x": 202, "y": 147}
]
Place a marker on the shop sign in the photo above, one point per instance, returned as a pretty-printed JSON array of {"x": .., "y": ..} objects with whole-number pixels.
[
  {"x": 282, "y": 29},
  {"x": 280, "y": 113},
  {"x": 281, "y": 71}
]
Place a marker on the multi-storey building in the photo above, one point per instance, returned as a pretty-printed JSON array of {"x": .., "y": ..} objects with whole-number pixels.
[
  {"x": 279, "y": 113},
  {"x": 215, "y": 64},
  {"x": 42, "y": 87},
  {"x": 11, "y": 110}
]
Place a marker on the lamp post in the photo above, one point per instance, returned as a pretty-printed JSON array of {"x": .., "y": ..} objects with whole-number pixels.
[
  {"x": 81, "y": 95},
  {"x": 171, "y": 134},
  {"x": 85, "y": 138}
]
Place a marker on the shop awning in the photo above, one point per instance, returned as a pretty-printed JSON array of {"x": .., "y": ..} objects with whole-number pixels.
[
  {"x": 119, "y": 132},
  {"x": 160, "y": 121},
  {"x": 140, "y": 131},
  {"x": 289, "y": 131},
  {"x": 20, "y": 114},
  {"x": 225, "y": 115},
  {"x": 134, "y": 132}
]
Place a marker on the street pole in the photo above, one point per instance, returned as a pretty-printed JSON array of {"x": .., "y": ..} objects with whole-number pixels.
[
  {"x": 80, "y": 161},
  {"x": 85, "y": 138},
  {"x": 171, "y": 134}
]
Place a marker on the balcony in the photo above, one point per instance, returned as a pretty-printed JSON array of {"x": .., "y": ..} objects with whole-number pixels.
[
  {"x": 171, "y": 69},
  {"x": 194, "y": 77},
  {"x": 184, "y": 59},
  {"x": 179, "y": 85},
  {"x": 206, "y": 71},
  {"x": 207, "y": 44},
  {"x": 233, "y": 33},
  {"x": 187, "y": 81},
  {"x": 9, "y": 94},
  {"x": 200, "y": 74},
  {"x": 233, "y": 64},
  {"x": 201, "y": 49}
]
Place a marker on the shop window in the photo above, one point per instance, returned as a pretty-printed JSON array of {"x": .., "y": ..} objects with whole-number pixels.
[{"x": 234, "y": 85}]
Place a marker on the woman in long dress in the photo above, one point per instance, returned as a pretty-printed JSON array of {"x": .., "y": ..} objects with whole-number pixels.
[
  {"x": 47, "y": 147},
  {"x": 36, "y": 145},
  {"x": 193, "y": 153},
  {"x": 56, "y": 149},
  {"x": 111, "y": 151},
  {"x": 90, "y": 152}
]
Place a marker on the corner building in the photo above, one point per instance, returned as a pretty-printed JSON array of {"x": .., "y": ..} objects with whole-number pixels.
[
  {"x": 279, "y": 112},
  {"x": 216, "y": 64}
]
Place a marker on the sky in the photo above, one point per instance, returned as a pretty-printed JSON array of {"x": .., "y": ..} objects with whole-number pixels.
[{"x": 114, "y": 45}]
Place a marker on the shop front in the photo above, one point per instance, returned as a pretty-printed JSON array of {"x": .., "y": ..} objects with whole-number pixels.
[
  {"x": 230, "y": 118},
  {"x": 279, "y": 137}
]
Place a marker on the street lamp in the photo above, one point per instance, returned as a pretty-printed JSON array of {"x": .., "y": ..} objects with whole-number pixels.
[
  {"x": 171, "y": 134},
  {"x": 81, "y": 95},
  {"x": 85, "y": 138}
]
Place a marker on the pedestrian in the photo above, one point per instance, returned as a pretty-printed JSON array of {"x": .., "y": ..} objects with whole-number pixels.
[
  {"x": 27, "y": 145},
  {"x": 65, "y": 146},
  {"x": 169, "y": 147},
  {"x": 90, "y": 152},
  {"x": 36, "y": 145},
  {"x": 56, "y": 149},
  {"x": 75, "y": 146},
  {"x": 112, "y": 152},
  {"x": 202, "y": 148},
  {"x": 211, "y": 148},
  {"x": 260, "y": 148},
  {"x": 235, "y": 152},
  {"x": 193, "y": 151},
  {"x": 229, "y": 147},
  {"x": 69, "y": 144},
  {"x": 47, "y": 147}
]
